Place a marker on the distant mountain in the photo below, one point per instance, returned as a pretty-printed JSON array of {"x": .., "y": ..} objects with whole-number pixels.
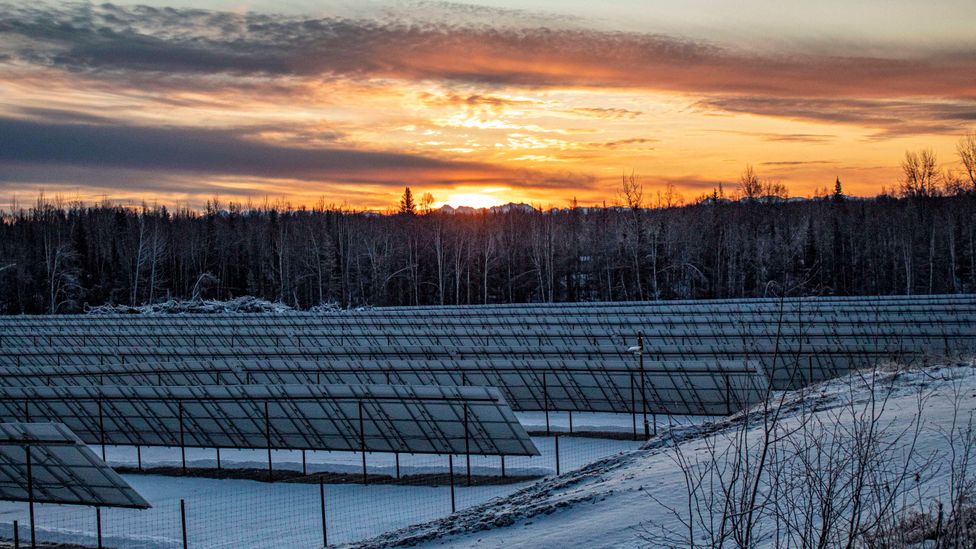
[{"x": 504, "y": 208}]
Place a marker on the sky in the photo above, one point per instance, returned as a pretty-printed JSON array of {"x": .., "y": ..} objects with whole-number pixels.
[{"x": 477, "y": 103}]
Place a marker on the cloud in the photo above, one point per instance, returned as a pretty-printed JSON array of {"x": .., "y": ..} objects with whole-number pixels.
[
  {"x": 891, "y": 117},
  {"x": 39, "y": 151},
  {"x": 111, "y": 41}
]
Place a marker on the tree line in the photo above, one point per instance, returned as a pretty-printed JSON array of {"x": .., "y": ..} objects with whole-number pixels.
[{"x": 59, "y": 257}]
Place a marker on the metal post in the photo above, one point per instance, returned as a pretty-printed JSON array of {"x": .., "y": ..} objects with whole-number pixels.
[
  {"x": 183, "y": 521},
  {"x": 633, "y": 406},
  {"x": 182, "y": 440},
  {"x": 16, "y": 535},
  {"x": 450, "y": 468},
  {"x": 545, "y": 400},
  {"x": 218, "y": 458},
  {"x": 139, "y": 457},
  {"x": 570, "y": 421},
  {"x": 304, "y": 464},
  {"x": 467, "y": 447},
  {"x": 98, "y": 524},
  {"x": 643, "y": 384},
  {"x": 267, "y": 436},
  {"x": 101, "y": 428},
  {"x": 503, "y": 466},
  {"x": 396, "y": 455},
  {"x": 728, "y": 395},
  {"x": 362, "y": 441},
  {"x": 30, "y": 496},
  {"x": 325, "y": 531},
  {"x": 557, "y": 453}
]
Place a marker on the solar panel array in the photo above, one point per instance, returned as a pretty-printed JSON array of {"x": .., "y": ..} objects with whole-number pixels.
[
  {"x": 47, "y": 463},
  {"x": 388, "y": 418},
  {"x": 677, "y": 387},
  {"x": 700, "y": 356}
]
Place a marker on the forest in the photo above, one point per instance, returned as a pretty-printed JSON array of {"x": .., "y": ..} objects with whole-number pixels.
[{"x": 59, "y": 257}]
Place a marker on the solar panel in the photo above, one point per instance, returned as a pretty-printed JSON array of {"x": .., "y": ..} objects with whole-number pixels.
[
  {"x": 678, "y": 388},
  {"x": 381, "y": 418},
  {"x": 61, "y": 469}
]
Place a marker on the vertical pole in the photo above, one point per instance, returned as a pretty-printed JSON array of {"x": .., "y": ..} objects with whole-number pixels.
[
  {"x": 728, "y": 395},
  {"x": 570, "y": 421},
  {"x": 16, "y": 535},
  {"x": 304, "y": 464},
  {"x": 633, "y": 406},
  {"x": 397, "y": 456},
  {"x": 183, "y": 521},
  {"x": 101, "y": 428},
  {"x": 557, "y": 453},
  {"x": 98, "y": 524},
  {"x": 450, "y": 468},
  {"x": 362, "y": 441},
  {"x": 139, "y": 457},
  {"x": 467, "y": 447},
  {"x": 654, "y": 419},
  {"x": 30, "y": 496},
  {"x": 545, "y": 400},
  {"x": 643, "y": 384},
  {"x": 267, "y": 436},
  {"x": 182, "y": 441},
  {"x": 325, "y": 531},
  {"x": 503, "y": 466}
]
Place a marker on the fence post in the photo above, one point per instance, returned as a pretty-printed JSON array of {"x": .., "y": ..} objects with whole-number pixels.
[
  {"x": 557, "y": 454},
  {"x": 183, "y": 521},
  {"x": 450, "y": 468},
  {"x": 325, "y": 531},
  {"x": 98, "y": 524},
  {"x": 30, "y": 496},
  {"x": 16, "y": 535}
]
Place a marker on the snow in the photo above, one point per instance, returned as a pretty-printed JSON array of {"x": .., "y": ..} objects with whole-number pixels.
[
  {"x": 246, "y": 513},
  {"x": 610, "y": 503}
]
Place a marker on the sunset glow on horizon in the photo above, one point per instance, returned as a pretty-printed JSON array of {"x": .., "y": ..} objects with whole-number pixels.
[{"x": 479, "y": 104}]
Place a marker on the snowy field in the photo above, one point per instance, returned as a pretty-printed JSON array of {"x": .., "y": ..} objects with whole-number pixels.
[
  {"x": 627, "y": 500},
  {"x": 244, "y": 513}
]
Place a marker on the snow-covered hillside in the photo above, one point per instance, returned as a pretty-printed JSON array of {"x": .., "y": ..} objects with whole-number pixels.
[{"x": 907, "y": 430}]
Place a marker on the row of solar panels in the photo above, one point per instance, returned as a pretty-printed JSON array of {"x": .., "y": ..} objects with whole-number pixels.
[
  {"x": 375, "y": 418},
  {"x": 47, "y": 463},
  {"x": 681, "y": 388},
  {"x": 786, "y": 366},
  {"x": 955, "y": 340}
]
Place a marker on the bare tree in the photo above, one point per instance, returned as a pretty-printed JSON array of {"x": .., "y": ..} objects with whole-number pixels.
[
  {"x": 967, "y": 155},
  {"x": 749, "y": 184},
  {"x": 920, "y": 174}
]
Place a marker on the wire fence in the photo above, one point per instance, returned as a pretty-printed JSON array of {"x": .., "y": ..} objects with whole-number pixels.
[{"x": 317, "y": 499}]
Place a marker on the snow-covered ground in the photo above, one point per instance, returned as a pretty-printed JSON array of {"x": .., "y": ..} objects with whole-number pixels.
[
  {"x": 620, "y": 501},
  {"x": 244, "y": 513}
]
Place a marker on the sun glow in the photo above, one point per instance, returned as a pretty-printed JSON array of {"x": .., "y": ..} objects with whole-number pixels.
[{"x": 482, "y": 199}]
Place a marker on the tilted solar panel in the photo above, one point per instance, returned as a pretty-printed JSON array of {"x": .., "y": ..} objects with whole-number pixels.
[
  {"x": 381, "y": 418},
  {"x": 61, "y": 469}
]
